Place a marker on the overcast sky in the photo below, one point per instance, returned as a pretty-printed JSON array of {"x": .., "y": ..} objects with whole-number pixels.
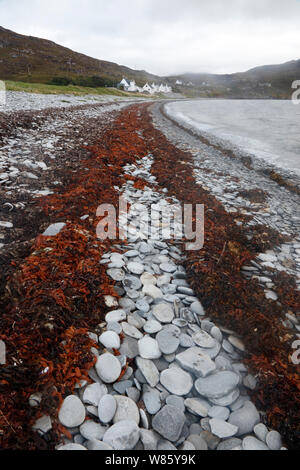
[{"x": 166, "y": 36}]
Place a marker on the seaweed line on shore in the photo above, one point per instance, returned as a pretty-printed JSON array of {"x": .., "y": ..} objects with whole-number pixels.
[{"x": 57, "y": 294}]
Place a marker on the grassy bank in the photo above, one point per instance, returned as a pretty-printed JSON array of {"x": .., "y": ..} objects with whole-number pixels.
[{"x": 42, "y": 88}]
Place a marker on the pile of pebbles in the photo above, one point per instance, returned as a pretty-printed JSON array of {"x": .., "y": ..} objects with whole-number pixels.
[
  {"x": 22, "y": 101},
  {"x": 185, "y": 386}
]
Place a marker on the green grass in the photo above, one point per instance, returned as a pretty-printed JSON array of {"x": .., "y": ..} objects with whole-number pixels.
[{"x": 66, "y": 90}]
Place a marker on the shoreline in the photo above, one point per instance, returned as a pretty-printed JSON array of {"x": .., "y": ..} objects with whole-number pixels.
[
  {"x": 120, "y": 148},
  {"x": 287, "y": 177}
]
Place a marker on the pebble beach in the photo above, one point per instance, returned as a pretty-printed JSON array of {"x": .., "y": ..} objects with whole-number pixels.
[{"x": 148, "y": 362}]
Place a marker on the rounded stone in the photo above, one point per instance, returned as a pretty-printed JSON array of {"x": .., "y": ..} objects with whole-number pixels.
[
  {"x": 135, "y": 268},
  {"x": 217, "y": 334},
  {"x": 163, "y": 280},
  {"x": 107, "y": 408},
  {"x": 211, "y": 440},
  {"x": 93, "y": 394},
  {"x": 95, "y": 444},
  {"x": 143, "y": 305},
  {"x": 237, "y": 343},
  {"x": 217, "y": 385},
  {"x": 148, "y": 348},
  {"x": 197, "y": 406},
  {"x": 72, "y": 412},
  {"x": 131, "y": 331},
  {"x": 245, "y": 418},
  {"x": 149, "y": 439},
  {"x": 127, "y": 304},
  {"x": 129, "y": 347},
  {"x": 116, "y": 274},
  {"x": 168, "y": 422},
  {"x": 152, "y": 327},
  {"x": 176, "y": 401},
  {"x": 168, "y": 267},
  {"x": 226, "y": 400},
  {"x": 273, "y": 440},
  {"x": 203, "y": 339},
  {"x": 180, "y": 322},
  {"x": 168, "y": 339},
  {"x": 230, "y": 444},
  {"x": 152, "y": 401},
  {"x": 123, "y": 435},
  {"x": 115, "y": 316},
  {"x": 126, "y": 410},
  {"x": 163, "y": 312},
  {"x": 122, "y": 386},
  {"x": 152, "y": 291},
  {"x": 131, "y": 254},
  {"x": 72, "y": 447},
  {"x": 195, "y": 361},
  {"x": 219, "y": 412},
  {"x": 148, "y": 371},
  {"x": 198, "y": 442},
  {"x": 91, "y": 430},
  {"x": 144, "y": 247},
  {"x": 176, "y": 381},
  {"x": 261, "y": 431},
  {"x": 110, "y": 340},
  {"x": 131, "y": 282},
  {"x": 136, "y": 320},
  {"x": 148, "y": 278},
  {"x": 222, "y": 429},
  {"x": 251, "y": 443},
  {"x": 108, "y": 368},
  {"x": 186, "y": 446},
  {"x": 114, "y": 326},
  {"x": 165, "y": 445},
  {"x": 197, "y": 308},
  {"x": 186, "y": 341}
]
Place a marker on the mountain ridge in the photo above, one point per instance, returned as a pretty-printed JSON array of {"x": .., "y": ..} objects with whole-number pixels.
[
  {"x": 29, "y": 58},
  {"x": 266, "y": 81}
]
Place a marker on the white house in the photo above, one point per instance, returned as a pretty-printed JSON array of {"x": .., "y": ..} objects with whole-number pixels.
[
  {"x": 147, "y": 88},
  {"x": 154, "y": 88},
  {"x": 151, "y": 89},
  {"x": 124, "y": 84},
  {"x": 133, "y": 86}
]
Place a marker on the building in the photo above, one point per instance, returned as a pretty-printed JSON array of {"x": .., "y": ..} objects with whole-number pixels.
[
  {"x": 133, "y": 87},
  {"x": 123, "y": 84},
  {"x": 151, "y": 89}
]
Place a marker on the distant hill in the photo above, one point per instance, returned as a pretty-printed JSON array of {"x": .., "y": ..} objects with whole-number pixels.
[
  {"x": 31, "y": 59},
  {"x": 269, "y": 81}
]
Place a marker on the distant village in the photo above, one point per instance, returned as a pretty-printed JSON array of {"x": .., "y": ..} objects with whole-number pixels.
[{"x": 131, "y": 86}]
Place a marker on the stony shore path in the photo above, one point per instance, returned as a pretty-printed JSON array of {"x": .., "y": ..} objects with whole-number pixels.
[
  {"x": 141, "y": 359},
  {"x": 187, "y": 388}
]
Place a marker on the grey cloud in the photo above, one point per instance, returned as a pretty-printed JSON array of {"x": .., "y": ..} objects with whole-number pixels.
[{"x": 166, "y": 36}]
